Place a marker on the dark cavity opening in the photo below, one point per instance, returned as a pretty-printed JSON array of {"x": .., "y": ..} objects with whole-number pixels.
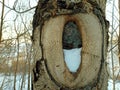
[
  {"x": 72, "y": 43},
  {"x": 71, "y": 36}
]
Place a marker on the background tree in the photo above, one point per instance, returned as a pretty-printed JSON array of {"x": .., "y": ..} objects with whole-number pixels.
[
  {"x": 119, "y": 31},
  {"x": 2, "y": 18},
  {"x": 15, "y": 45}
]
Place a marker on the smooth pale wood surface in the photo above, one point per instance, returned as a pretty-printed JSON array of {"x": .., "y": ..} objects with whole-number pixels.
[{"x": 90, "y": 29}]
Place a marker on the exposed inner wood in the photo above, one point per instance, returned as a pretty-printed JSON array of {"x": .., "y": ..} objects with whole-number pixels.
[{"x": 90, "y": 29}]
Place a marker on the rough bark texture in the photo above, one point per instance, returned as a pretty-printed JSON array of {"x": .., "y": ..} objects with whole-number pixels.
[
  {"x": 2, "y": 18},
  {"x": 119, "y": 32},
  {"x": 49, "y": 71}
]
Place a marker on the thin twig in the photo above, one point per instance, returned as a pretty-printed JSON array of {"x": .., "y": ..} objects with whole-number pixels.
[
  {"x": 111, "y": 46},
  {"x": 16, "y": 10}
]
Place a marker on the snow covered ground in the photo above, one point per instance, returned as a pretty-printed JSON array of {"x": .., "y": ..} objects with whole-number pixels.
[
  {"x": 70, "y": 55},
  {"x": 110, "y": 85},
  {"x": 9, "y": 80},
  {"x": 8, "y": 84},
  {"x": 114, "y": 55}
]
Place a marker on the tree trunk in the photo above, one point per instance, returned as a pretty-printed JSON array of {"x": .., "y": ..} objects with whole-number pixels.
[
  {"x": 50, "y": 71},
  {"x": 119, "y": 32},
  {"x": 2, "y": 18}
]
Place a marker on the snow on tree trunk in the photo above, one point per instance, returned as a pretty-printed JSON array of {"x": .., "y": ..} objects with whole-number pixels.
[{"x": 51, "y": 71}]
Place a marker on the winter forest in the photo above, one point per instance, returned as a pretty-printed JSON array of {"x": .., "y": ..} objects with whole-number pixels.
[{"x": 17, "y": 46}]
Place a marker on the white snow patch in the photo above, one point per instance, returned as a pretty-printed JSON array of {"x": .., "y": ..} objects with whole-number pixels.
[
  {"x": 110, "y": 85},
  {"x": 72, "y": 58},
  {"x": 9, "y": 82}
]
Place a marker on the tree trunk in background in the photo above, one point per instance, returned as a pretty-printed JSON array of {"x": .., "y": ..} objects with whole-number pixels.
[
  {"x": 119, "y": 31},
  {"x": 49, "y": 70},
  {"x": 1, "y": 23}
]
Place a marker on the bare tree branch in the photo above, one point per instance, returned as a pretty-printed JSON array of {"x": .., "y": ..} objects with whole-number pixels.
[{"x": 16, "y": 10}]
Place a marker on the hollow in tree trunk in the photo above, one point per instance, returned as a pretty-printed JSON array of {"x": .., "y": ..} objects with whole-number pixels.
[{"x": 60, "y": 25}]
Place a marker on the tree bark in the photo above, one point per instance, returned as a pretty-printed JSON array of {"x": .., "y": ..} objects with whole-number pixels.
[
  {"x": 1, "y": 23},
  {"x": 50, "y": 71},
  {"x": 119, "y": 32}
]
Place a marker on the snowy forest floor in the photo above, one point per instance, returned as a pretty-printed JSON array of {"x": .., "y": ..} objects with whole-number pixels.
[{"x": 9, "y": 80}]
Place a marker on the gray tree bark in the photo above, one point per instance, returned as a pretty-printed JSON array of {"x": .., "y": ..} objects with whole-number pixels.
[
  {"x": 49, "y": 70},
  {"x": 119, "y": 32},
  {"x": 2, "y": 18}
]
